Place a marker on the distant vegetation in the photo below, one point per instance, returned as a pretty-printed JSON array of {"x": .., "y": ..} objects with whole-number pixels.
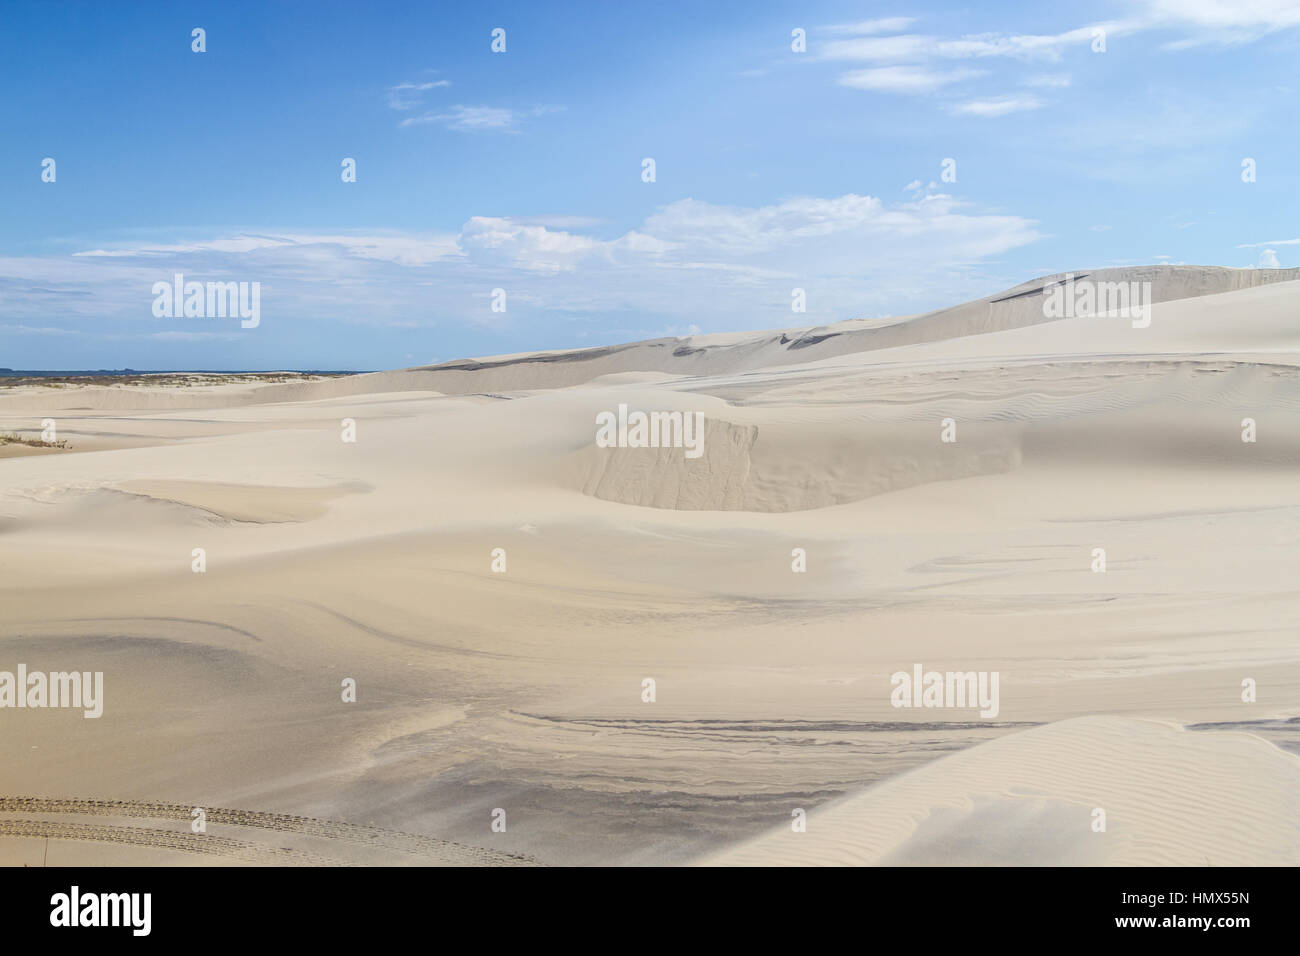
[
  {"x": 12, "y": 438},
  {"x": 158, "y": 379}
]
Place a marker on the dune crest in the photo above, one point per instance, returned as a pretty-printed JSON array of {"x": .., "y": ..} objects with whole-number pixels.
[{"x": 1167, "y": 796}]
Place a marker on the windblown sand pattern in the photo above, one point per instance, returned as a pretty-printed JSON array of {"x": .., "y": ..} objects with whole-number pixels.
[{"x": 520, "y": 689}]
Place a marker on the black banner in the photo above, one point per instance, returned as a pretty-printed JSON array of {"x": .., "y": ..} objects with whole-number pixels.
[{"x": 300, "y": 906}]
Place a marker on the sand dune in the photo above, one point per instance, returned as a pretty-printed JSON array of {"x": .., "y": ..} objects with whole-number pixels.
[
  {"x": 520, "y": 688},
  {"x": 1015, "y": 308},
  {"x": 256, "y": 503},
  {"x": 1167, "y": 797}
]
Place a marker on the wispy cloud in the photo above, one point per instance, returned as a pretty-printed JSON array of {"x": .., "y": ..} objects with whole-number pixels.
[
  {"x": 868, "y": 27},
  {"x": 852, "y": 253},
  {"x": 468, "y": 118},
  {"x": 402, "y": 249},
  {"x": 904, "y": 79},
  {"x": 974, "y": 46},
  {"x": 408, "y": 96},
  {"x": 1271, "y": 242},
  {"x": 998, "y": 106},
  {"x": 560, "y": 222},
  {"x": 912, "y": 62},
  {"x": 1220, "y": 22},
  {"x": 479, "y": 118},
  {"x": 921, "y": 64}
]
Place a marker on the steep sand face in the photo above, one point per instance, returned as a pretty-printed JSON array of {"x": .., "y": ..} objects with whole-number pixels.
[
  {"x": 513, "y": 679},
  {"x": 792, "y": 465}
]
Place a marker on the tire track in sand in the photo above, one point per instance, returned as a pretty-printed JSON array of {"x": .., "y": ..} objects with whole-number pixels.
[
  {"x": 431, "y": 849},
  {"x": 165, "y": 839}
]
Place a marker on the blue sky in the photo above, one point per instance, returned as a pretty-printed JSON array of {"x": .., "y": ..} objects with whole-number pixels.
[{"x": 522, "y": 170}]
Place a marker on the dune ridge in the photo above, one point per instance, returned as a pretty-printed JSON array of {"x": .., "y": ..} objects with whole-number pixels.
[{"x": 1032, "y": 797}]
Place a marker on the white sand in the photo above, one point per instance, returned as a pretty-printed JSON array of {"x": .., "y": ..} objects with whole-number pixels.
[{"x": 522, "y": 690}]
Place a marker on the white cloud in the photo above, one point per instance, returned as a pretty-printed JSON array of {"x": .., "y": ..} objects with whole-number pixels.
[
  {"x": 480, "y": 118},
  {"x": 867, "y": 27},
  {"x": 534, "y": 248},
  {"x": 1268, "y": 259},
  {"x": 999, "y": 106},
  {"x": 468, "y": 118},
  {"x": 840, "y": 229},
  {"x": 406, "y": 96},
  {"x": 1224, "y": 21},
  {"x": 1049, "y": 81},
  {"x": 904, "y": 79},
  {"x": 235, "y": 244},
  {"x": 688, "y": 261},
  {"x": 923, "y": 46},
  {"x": 401, "y": 249},
  {"x": 908, "y": 62},
  {"x": 559, "y": 222},
  {"x": 1201, "y": 21}
]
